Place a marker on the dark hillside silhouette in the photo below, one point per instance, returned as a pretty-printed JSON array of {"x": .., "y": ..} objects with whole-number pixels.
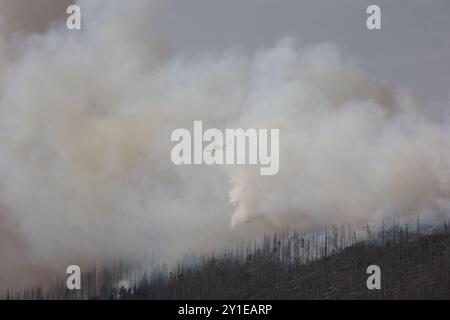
[{"x": 287, "y": 265}]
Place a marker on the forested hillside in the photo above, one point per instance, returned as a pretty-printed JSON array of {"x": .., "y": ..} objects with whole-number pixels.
[{"x": 288, "y": 265}]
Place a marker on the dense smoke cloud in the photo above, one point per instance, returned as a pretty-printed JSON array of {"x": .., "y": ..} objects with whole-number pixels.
[
  {"x": 31, "y": 16},
  {"x": 85, "y": 124}
]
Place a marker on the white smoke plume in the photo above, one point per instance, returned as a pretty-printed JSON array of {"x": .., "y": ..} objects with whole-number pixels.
[{"x": 85, "y": 124}]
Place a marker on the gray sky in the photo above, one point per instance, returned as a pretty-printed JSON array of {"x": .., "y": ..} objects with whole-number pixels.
[{"x": 412, "y": 49}]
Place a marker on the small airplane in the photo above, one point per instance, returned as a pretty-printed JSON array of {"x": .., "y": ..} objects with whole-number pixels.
[{"x": 214, "y": 147}]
